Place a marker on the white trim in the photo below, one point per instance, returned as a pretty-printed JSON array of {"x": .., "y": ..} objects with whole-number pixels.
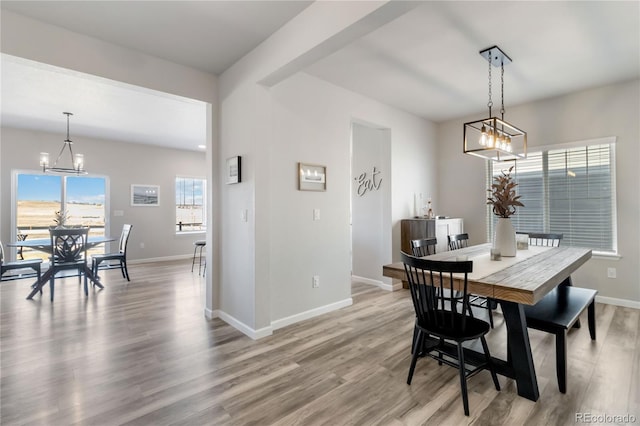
[
  {"x": 605, "y": 255},
  {"x": 242, "y": 327},
  {"x": 211, "y": 313},
  {"x": 611, "y": 140},
  {"x": 618, "y": 302},
  {"x": 160, "y": 259},
  {"x": 384, "y": 286},
  {"x": 283, "y": 322}
]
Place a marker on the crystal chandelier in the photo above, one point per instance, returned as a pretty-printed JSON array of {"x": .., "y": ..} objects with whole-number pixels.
[
  {"x": 493, "y": 138},
  {"x": 76, "y": 164}
]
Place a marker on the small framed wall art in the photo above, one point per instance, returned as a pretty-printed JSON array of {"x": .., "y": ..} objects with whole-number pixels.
[
  {"x": 234, "y": 170},
  {"x": 312, "y": 177},
  {"x": 145, "y": 195}
]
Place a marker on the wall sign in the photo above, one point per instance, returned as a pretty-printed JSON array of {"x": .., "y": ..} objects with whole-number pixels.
[{"x": 368, "y": 183}]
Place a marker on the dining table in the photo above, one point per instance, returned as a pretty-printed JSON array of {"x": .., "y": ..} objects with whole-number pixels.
[
  {"x": 44, "y": 245},
  {"x": 513, "y": 282}
]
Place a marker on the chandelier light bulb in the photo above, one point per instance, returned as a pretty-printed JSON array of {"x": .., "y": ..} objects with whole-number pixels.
[{"x": 44, "y": 159}]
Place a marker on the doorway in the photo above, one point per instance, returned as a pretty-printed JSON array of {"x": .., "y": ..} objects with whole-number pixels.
[{"x": 371, "y": 228}]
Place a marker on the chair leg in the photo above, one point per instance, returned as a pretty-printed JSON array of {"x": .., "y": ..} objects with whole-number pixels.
[
  {"x": 414, "y": 339},
  {"x": 463, "y": 380},
  {"x": 200, "y": 260},
  {"x": 492, "y": 370},
  {"x": 591, "y": 312},
  {"x": 52, "y": 285},
  {"x": 561, "y": 360},
  {"x": 414, "y": 358},
  {"x": 86, "y": 286},
  {"x": 124, "y": 268},
  {"x": 193, "y": 261},
  {"x": 490, "y": 312}
]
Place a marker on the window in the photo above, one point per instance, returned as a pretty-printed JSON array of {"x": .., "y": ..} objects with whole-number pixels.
[
  {"x": 39, "y": 196},
  {"x": 568, "y": 190},
  {"x": 190, "y": 204}
]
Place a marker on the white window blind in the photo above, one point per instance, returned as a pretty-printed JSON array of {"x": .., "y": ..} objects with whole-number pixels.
[{"x": 570, "y": 191}]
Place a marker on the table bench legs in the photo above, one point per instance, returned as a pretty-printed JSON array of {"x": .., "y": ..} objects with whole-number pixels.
[{"x": 519, "y": 350}]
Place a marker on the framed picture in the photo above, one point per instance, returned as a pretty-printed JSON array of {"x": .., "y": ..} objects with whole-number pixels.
[
  {"x": 234, "y": 170},
  {"x": 312, "y": 177},
  {"x": 145, "y": 195}
]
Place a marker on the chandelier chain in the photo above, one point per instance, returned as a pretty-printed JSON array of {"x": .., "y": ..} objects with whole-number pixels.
[
  {"x": 490, "y": 103},
  {"x": 502, "y": 89}
]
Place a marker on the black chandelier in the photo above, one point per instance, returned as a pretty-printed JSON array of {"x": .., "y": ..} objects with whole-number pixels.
[
  {"x": 493, "y": 138},
  {"x": 76, "y": 164}
]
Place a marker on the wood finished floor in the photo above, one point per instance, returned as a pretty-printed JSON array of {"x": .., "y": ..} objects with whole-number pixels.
[{"x": 142, "y": 353}]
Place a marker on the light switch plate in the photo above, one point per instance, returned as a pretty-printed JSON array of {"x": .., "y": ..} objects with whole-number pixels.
[{"x": 316, "y": 214}]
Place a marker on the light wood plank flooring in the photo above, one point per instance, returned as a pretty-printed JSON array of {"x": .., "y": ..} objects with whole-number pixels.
[{"x": 142, "y": 353}]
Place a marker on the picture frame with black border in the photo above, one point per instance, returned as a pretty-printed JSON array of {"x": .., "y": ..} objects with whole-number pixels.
[{"x": 234, "y": 170}]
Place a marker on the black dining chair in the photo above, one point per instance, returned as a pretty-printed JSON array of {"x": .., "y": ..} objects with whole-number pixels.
[
  {"x": 424, "y": 247},
  {"x": 120, "y": 256},
  {"x": 438, "y": 321},
  {"x": 460, "y": 241},
  {"x": 17, "y": 265},
  {"x": 560, "y": 309}
]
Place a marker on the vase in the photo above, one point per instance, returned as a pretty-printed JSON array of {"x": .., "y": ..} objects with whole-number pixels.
[{"x": 505, "y": 237}]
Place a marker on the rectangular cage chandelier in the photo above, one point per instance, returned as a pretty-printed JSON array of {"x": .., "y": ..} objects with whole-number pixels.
[{"x": 494, "y": 138}]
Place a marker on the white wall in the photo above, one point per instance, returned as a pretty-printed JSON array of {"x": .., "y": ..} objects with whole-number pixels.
[
  {"x": 124, "y": 164},
  {"x": 303, "y": 119},
  {"x": 370, "y": 201},
  {"x": 606, "y": 111}
]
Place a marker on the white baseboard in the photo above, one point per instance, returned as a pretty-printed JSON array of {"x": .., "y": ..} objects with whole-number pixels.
[
  {"x": 160, "y": 259},
  {"x": 210, "y": 313},
  {"x": 618, "y": 302},
  {"x": 378, "y": 283},
  {"x": 283, "y": 322},
  {"x": 242, "y": 327}
]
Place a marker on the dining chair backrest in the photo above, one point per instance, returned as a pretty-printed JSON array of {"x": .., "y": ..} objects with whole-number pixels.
[
  {"x": 435, "y": 308},
  {"x": 1, "y": 253},
  {"x": 424, "y": 247},
  {"x": 458, "y": 241},
  {"x": 68, "y": 245},
  {"x": 124, "y": 238},
  {"x": 542, "y": 239}
]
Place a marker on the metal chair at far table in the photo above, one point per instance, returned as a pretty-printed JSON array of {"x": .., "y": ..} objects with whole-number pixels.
[
  {"x": 438, "y": 319},
  {"x": 17, "y": 265},
  {"x": 459, "y": 241},
  {"x": 68, "y": 252},
  {"x": 560, "y": 310},
  {"x": 120, "y": 256}
]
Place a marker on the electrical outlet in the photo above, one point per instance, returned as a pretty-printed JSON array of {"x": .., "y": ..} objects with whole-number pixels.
[
  {"x": 244, "y": 214},
  {"x": 611, "y": 273},
  {"x": 315, "y": 281},
  {"x": 316, "y": 214},
  {"x": 141, "y": 245}
]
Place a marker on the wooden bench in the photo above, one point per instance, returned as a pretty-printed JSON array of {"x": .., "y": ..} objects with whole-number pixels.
[{"x": 556, "y": 313}]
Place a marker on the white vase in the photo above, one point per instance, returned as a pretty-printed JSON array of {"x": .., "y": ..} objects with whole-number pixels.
[{"x": 505, "y": 237}]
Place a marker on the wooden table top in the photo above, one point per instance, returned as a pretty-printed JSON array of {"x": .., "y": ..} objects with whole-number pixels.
[{"x": 525, "y": 278}]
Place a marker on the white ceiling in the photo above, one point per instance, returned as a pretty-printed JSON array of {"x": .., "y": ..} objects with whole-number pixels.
[{"x": 425, "y": 62}]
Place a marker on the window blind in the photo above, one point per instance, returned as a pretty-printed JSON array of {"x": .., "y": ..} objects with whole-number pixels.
[{"x": 569, "y": 191}]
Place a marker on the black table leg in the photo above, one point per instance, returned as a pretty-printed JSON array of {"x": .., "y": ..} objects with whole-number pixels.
[{"x": 519, "y": 350}]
